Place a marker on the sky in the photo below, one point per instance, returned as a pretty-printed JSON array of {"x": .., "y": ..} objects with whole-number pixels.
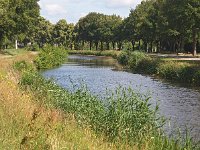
[{"x": 73, "y": 10}]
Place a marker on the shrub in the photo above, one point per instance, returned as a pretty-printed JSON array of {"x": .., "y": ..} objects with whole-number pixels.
[
  {"x": 135, "y": 58},
  {"x": 50, "y": 57},
  {"x": 148, "y": 65},
  {"x": 172, "y": 70},
  {"x": 123, "y": 58},
  {"x": 33, "y": 47},
  {"x": 22, "y": 65}
]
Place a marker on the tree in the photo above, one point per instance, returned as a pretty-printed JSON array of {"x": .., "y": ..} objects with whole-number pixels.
[
  {"x": 183, "y": 17},
  {"x": 43, "y": 32},
  {"x": 63, "y": 33},
  {"x": 17, "y": 18}
]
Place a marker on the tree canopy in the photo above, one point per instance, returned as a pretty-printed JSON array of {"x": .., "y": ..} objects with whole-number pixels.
[{"x": 154, "y": 25}]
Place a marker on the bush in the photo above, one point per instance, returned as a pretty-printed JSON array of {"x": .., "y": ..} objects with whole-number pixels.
[
  {"x": 50, "y": 57},
  {"x": 148, "y": 65},
  {"x": 23, "y": 65},
  {"x": 33, "y": 47},
  {"x": 170, "y": 70},
  {"x": 135, "y": 58},
  {"x": 179, "y": 71},
  {"x": 123, "y": 58}
]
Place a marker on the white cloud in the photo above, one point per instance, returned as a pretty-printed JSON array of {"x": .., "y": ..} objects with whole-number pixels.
[
  {"x": 122, "y": 3},
  {"x": 83, "y": 14},
  {"x": 54, "y": 9},
  {"x": 72, "y": 10}
]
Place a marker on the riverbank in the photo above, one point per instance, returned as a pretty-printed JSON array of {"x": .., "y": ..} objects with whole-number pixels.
[
  {"x": 25, "y": 123},
  {"x": 110, "y": 53},
  {"x": 49, "y": 117},
  {"x": 180, "y": 69}
]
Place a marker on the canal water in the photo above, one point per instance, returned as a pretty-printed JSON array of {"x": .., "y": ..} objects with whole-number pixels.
[{"x": 179, "y": 104}]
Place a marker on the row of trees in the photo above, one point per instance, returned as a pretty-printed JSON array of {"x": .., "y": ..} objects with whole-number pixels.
[
  {"x": 17, "y": 19},
  {"x": 154, "y": 25},
  {"x": 172, "y": 25},
  {"x": 21, "y": 23}
]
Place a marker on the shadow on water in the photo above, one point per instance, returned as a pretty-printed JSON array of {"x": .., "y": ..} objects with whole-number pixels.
[{"x": 178, "y": 102}]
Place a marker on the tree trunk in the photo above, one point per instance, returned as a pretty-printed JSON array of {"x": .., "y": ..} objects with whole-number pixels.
[
  {"x": 101, "y": 45},
  {"x": 139, "y": 46},
  {"x": 83, "y": 43},
  {"x": 151, "y": 48},
  {"x": 71, "y": 46},
  {"x": 90, "y": 45},
  {"x": 133, "y": 44},
  {"x": 108, "y": 46},
  {"x": 182, "y": 44},
  {"x": 119, "y": 45},
  {"x": 194, "y": 38},
  {"x": 174, "y": 47},
  {"x": 113, "y": 45},
  {"x": 16, "y": 44},
  {"x": 145, "y": 46},
  {"x": 96, "y": 45}
]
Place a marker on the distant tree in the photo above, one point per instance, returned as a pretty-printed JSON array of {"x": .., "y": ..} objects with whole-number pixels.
[
  {"x": 43, "y": 32},
  {"x": 183, "y": 18},
  {"x": 25, "y": 15}
]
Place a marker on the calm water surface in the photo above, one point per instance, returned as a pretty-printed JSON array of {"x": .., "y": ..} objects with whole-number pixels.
[{"x": 180, "y": 104}]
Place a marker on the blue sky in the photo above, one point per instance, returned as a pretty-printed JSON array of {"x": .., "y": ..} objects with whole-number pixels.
[{"x": 72, "y": 10}]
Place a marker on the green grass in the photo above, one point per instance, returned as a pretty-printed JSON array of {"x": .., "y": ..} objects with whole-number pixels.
[
  {"x": 127, "y": 118},
  {"x": 180, "y": 71},
  {"x": 13, "y": 52}
]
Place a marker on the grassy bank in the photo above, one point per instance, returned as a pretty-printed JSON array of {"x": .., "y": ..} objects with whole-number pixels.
[
  {"x": 111, "y": 53},
  {"x": 179, "y": 71},
  {"x": 38, "y": 114},
  {"x": 26, "y": 123}
]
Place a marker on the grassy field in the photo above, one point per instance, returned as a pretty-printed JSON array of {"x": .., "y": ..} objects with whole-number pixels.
[{"x": 13, "y": 52}]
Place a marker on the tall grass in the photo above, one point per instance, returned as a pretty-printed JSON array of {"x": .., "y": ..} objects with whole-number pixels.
[
  {"x": 27, "y": 124},
  {"x": 126, "y": 117},
  {"x": 178, "y": 71}
]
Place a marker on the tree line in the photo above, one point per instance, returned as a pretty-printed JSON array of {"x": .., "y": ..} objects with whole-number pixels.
[{"x": 154, "y": 25}]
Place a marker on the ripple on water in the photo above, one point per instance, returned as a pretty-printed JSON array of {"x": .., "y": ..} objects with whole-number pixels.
[{"x": 179, "y": 103}]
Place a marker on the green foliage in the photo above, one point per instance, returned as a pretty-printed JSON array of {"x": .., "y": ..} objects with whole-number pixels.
[
  {"x": 126, "y": 117},
  {"x": 23, "y": 65},
  {"x": 148, "y": 65},
  {"x": 138, "y": 61},
  {"x": 179, "y": 71},
  {"x": 173, "y": 70},
  {"x": 33, "y": 47},
  {"x": 110, "y": 53},
  {"x": 135, "y": 58},
  {"x": 50, "y": 57},
  {"x": 123, "y": 58}
]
